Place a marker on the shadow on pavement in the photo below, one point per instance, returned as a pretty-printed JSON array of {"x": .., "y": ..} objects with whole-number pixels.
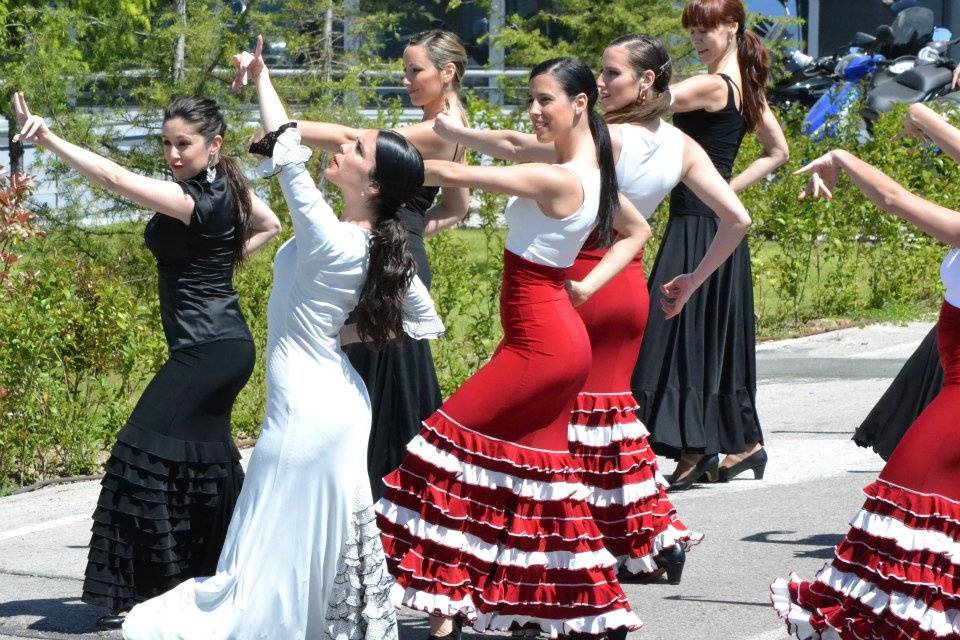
[
  {"x": 56, "y": 615},
  {"x": 825, "y": 541}
]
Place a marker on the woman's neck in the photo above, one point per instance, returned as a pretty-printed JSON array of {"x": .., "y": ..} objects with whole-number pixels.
[
  {"x": 431, "y": 109},
  {"x": 725, "y": 63},
  {"x": 577, "y": 145},
  {"x": 357, "y": 213}
]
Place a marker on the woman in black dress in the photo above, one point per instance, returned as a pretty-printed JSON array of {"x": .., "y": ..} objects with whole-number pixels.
[
  {"x": 921, "y": 378},
  {"x": 400, "y": 377},
  {"x": 695, "y": 379},
  {"x": 174, "y": 473}
]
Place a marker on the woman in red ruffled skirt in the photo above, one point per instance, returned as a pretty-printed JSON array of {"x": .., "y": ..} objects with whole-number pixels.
[{"x": 895, "y": 576}]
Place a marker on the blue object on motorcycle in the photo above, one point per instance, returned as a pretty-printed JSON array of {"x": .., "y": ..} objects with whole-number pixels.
[
  {"x": 941, "y": 34},
  {"x": 860, "y": 66},
  {"x": 821, "y": 121}
]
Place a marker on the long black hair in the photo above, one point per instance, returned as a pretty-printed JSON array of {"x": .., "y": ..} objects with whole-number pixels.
[
  {"x": 206, "y": 115},
  {"x": 398, "y": 171},
  {"x": 574, "y": 77}
]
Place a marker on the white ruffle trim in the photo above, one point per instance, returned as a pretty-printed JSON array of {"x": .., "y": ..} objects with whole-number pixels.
[
  {"x": 664, "y": 540},
  {"x": 359, "y": 607},
  {"x": 890, "y": 528},
  {"x": 432, "y": 603},
  {"x": 796, "y": 617},
  {"x": 286, "y": 152},
  {"x": 421, "y": 529},
  {"x": 429, "y": 328},
  {"x": 595, "y": 436},
  {"x": 482, "y": 477},
  {"x": 554, "y": 628},
  {"x": 626, "y": 495}
]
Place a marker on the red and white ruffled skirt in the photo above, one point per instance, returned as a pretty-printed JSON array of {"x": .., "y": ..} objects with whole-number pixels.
[
  {"x": 896, "y": 575},
  {"x": 487, "y": 517}
]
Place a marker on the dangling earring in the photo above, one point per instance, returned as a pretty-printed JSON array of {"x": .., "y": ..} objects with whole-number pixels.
[{"x": 211, "y": 170}]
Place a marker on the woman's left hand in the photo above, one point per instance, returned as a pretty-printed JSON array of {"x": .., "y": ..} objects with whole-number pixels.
[
  {"x": 248, "y": 65},
  {"x": 32, "y": 128},
  {"x": 675, "y": 294},
  {"x": 577, "y": 291}
]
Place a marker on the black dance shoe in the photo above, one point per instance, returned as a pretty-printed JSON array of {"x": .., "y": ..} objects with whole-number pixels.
[
  {"x": 757, "y": 461},
  {"x": 617, "y": 634},
  {"x": 111, "y": 622},
  {"x": 669, "y": 561},
  {"x": 706, "y": 467},
  {"x": 454, "y": 633}
]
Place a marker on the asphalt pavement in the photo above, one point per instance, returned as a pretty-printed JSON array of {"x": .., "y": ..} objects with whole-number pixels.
[{"x": 812, "y": 394}]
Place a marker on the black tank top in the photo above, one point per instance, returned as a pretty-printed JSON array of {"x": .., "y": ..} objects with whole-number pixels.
[
  {"x": 720, "y": 133},
  {"x": 198, "y": 303}
]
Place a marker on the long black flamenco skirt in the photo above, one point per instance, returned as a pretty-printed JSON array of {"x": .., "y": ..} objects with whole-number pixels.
[
  {"x": 404, "y": 391},
  {"x": 171, "y": 481},
  {"x": 696, "y": 376},
  {"x": 917, "y": 384}
]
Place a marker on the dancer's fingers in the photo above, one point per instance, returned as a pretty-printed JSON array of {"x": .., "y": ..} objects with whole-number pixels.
[
  {"x": 258, "y": 52},
  {"x": 807, "y": 168}
]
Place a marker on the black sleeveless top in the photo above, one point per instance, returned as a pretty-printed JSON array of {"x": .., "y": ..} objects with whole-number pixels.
[
  {"x": 720, "y": 133},
  {"x": 198, "y": 303}
]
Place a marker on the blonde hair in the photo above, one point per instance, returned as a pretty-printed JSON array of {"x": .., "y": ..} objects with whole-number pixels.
[
  {"x": 645, "y": 53},
  {"x": 443, "y": 48}
]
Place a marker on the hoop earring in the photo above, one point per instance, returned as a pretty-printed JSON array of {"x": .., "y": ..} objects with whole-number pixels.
[{"x": 212, "y": 169}]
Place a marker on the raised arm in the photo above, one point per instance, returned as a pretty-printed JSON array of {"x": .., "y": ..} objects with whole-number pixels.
[
  {"x": 885, "y": 192},
  {"x": 632, "y": 233},
  {"x": 775, "y": 153},
  {"x": 556, "y": 190},
  {"x": 502, "y": 144},
  {"x": 705, "y": 181},
  {"x": 326, "y": 135},
  {"x": 161, "y": 196},
  {"x": 263, "y": 225},
  {"x": 922, "y": 119}
]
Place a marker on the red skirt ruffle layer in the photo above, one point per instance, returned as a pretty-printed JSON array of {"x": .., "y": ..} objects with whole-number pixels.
[
  {"x": 893, "y": 577},
  {"x": 627, "y": 496},
  {"x": 498, "y": 533}
]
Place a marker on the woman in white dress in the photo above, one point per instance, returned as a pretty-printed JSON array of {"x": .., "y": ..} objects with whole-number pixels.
[{"x": 302, "y": 558}]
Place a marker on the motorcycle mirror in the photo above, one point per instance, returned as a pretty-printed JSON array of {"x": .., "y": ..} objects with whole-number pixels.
[
  {"x": 862, "y": 39},
  {"x": 884, "y": 34}
]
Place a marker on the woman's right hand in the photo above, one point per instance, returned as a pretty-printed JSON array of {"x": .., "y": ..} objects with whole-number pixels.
[
  {"x": 824, "y": 173},
  {"x": 32, "y": 128},
  {"x": 447, "y": 125},
  {"x": 249, "y": 66}
]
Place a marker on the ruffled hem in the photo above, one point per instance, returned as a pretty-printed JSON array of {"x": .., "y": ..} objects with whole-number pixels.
[
  {"x": 158, "y": 519},
  {"x": 493, "y": 531},
  {"x": 733, "y": 414},
  {"x": 359, "y": 607},
  {"x": 893, "y": 576}
]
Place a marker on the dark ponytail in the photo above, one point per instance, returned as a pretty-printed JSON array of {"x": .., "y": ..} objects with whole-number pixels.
[
  {"x": 574, "y": 77},
  {"x": 398, "y": 171},
  {"x": 752, "y": 57},
  {"x": 206, "y": 115}
]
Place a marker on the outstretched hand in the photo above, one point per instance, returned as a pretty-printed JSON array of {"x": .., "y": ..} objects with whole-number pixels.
[
  {"x": 675, "y": 294},
  {"x": 447, "y": 124},
  {"x": 32, "y": 128},
  {"x": 249, "y": 66},
  {"x": 824, "y": 173}
]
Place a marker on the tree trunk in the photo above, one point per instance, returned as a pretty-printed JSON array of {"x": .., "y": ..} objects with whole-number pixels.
[
  {"x": 16, "y": 148},
  {"x": 328, "y": 44},
  {"x": 179, "y": 56}
]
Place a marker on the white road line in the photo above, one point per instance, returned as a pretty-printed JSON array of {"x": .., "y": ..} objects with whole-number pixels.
[{"x": 43, "y": 526}]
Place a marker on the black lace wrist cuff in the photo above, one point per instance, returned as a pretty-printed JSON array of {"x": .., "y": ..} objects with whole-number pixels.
[{"x": 264, "y": 146}]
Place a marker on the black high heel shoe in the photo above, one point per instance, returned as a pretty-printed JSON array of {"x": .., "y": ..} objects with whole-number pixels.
[
  {"x": 757, "y": 461},
  {"x": 707, "y": 467},
  {"x": 669, "y": 561},
  {"x": 454, "y": 633},
  {"x": 111, "y": 622}
]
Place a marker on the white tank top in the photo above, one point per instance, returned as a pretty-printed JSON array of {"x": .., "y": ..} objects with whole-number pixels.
[
  {"x": 650, "y": 164},
  {"x": 551, "y": 241},
  {"x": 950, "y": 275}
]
